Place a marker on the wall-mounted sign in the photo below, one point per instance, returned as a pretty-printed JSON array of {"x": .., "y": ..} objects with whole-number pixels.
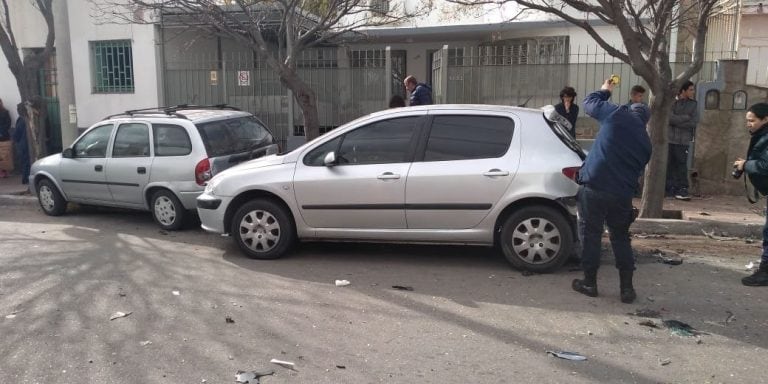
[
  {"x": 739, "y": 100},
  {"x": 214, "y": 78},
  {"x": 244, "y": 78},
  {"x": 72, "y": 114}
]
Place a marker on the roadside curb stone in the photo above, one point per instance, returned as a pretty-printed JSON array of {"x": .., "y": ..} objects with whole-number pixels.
[{"x": 690, "y": 227}]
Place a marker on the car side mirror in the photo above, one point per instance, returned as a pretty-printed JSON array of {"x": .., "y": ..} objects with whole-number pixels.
[
  {"x": 68, "y": 153},
  {"x": 330, "y": 159}
]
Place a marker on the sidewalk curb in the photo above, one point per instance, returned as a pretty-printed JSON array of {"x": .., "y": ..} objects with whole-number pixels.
[
  {"x": 689, "y": 227},
  {"x": 17, "y": 199}
]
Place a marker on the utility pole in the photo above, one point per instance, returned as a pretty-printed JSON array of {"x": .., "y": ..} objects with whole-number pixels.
[{"x": 65, "y": 83}]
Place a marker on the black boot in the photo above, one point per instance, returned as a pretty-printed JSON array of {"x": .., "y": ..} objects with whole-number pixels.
[
  {"x": 759, "y": 278},
  {"x": 628, "y": 294},
  {"x": 588, "y": 286}
]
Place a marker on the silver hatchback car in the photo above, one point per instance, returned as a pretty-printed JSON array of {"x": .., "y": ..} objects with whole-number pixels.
[
  {"x": 449, "y": 174},
  {"x": 153, "y": 159}
]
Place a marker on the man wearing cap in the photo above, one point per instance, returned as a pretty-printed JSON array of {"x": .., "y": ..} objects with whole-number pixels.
[{"x": 608, "y": 180}]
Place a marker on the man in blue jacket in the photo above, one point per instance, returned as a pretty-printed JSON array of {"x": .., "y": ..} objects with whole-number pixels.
[
  {"x": 421, "y": 94},
  {"x": 608, "y": 181}
]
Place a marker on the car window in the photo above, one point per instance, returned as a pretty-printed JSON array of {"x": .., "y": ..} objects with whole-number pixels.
[
  {"x": 466, "y": 137},
  {"x": 131, "y": 140},
  {"x": 382, "y": 142},
  {"x": 226, "y": 137},
  {"x": 316, "y": 157},
  {"x": 171, "y": 140},
  {"x": 94, "y": 143}
]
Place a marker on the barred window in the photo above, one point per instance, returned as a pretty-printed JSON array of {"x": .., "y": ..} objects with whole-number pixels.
[
  {"x": 537, "y": 50},
  {"x": 112, "y": 66},
  {"x": 379, "y": 6},
  {"x": 372, "y": 58}
]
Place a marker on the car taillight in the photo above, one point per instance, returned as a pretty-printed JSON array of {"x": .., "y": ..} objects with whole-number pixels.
[
  {"x": 572, "y": 173},
  {"x": 202, "y": 172}
]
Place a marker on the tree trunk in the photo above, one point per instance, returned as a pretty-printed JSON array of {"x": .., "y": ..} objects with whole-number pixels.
[
  {"x": 307, "y": 101},
  {"x": 652, "y": 204}
]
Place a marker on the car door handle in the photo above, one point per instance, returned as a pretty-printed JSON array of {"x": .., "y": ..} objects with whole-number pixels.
[
  {"x": 98, "y": 168},
  {"x": 141, "y": 170},
  {"x": 496, "y": 172},
  {"x": 387, "y": 175}
]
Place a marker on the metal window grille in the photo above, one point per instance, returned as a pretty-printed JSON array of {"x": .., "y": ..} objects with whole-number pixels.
[
  {"x": 112, "y": 66},
  {"x": 541, "y": 50},
  {"x": 372, "y": 58},
  {"x": 379, "y": 6}
]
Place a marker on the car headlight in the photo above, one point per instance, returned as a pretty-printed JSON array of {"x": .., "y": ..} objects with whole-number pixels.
[{"x": 211, "y": 185}]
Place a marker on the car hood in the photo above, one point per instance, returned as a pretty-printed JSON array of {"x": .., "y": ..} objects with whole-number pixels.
[
  {"x": 256, "y": 163},
  {"x": 51, "y": 160}
]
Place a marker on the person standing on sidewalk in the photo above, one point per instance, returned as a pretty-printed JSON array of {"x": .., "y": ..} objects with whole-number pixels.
[
  {"x": 608, "y": 180},
  {"x": 682, "y": 125},
  {"x": 20, "y": 139},
  {"x": 756, "y": 167},
  {"x": 568, "y": 109}
]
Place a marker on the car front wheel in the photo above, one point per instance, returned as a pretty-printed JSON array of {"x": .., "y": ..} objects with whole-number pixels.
[
  {"x": 536, "y": 238},
  {"x": 167, "y": 210},
  {"x": 51, "y": 200},
  {"x": 263, "y": 229}
]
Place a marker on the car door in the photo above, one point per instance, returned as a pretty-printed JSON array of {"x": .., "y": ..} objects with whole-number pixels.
[
  {"x": 129, "y": 165},
  {"x": 462, "y": 170},
  {"x": 83, "y": 175},
  {"x": 365, "y": 188}
]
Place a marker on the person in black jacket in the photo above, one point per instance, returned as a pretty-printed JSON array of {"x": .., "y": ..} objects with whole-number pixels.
[
  {"x": 756, "y": 167},
  {"x": 568, "y": 109},
  {"x": 5, "y": 123},
  {"x": 609, "y": 178}
]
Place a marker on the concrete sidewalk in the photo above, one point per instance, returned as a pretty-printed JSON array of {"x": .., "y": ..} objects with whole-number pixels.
[{"x": 717, "y": 215}]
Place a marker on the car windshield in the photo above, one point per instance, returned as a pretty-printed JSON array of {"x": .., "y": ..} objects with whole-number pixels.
[{"x": 226, "y": 137}]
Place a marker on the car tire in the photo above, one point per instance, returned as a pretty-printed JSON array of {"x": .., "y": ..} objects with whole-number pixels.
[
  {"x": 51, "y": 200},
  {"x": 263, "y": 229},
  {"x": 536, "y": 238},
  {"x": 167, "y": 210}
]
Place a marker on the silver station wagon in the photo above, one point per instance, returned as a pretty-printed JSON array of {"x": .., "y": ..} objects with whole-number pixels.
[
  {"x": 152, "y": 159},
  {"x": 449, "y": 174}
]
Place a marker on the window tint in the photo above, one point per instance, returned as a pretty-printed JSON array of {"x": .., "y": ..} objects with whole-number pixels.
[
  {"x": 226, "y": 137},
  {"x": 171, "y": 140},
  {"x": 94, "y": 143},
  {"x": 316, "y": 157},
  {"x": 387, "y": 141},
  {"x": 468, "y": 137},
  {"x": 131, "y": 140}
]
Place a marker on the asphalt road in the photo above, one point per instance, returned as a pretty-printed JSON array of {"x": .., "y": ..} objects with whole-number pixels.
[{"x": 470, "y": 317}]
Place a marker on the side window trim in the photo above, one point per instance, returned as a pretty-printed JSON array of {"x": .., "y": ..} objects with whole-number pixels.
[
  {"x": 110, "y": 139},
  {"x": 465, "y": 113},
  {"x": 411, "y": 152},
  {"x": 117, "y": 131}
]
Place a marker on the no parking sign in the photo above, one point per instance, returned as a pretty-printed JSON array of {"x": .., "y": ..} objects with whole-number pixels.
[{"x": 243, "y": 78}]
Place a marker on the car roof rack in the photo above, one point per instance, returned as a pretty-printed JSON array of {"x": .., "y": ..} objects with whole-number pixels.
[{"x": 170, "y": 110}]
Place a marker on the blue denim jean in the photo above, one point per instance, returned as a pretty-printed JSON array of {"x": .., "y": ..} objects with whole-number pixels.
[{"x": 596, "y": 209}]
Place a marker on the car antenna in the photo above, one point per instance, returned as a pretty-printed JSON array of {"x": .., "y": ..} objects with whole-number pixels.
[{"x": 523, "y": 105}]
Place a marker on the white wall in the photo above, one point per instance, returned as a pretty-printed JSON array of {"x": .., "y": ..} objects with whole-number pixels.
[
  {"x": 92, "y": 107},
  {"x": 753, "y": 45}
]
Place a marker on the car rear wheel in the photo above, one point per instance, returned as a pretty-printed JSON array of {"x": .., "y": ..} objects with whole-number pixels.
[
  {"x": 167, "y": 210},
  {"x": 263, "y": 229},
  {"x": 51, "y": 200},
  {"x": 537, "y": 239}
]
